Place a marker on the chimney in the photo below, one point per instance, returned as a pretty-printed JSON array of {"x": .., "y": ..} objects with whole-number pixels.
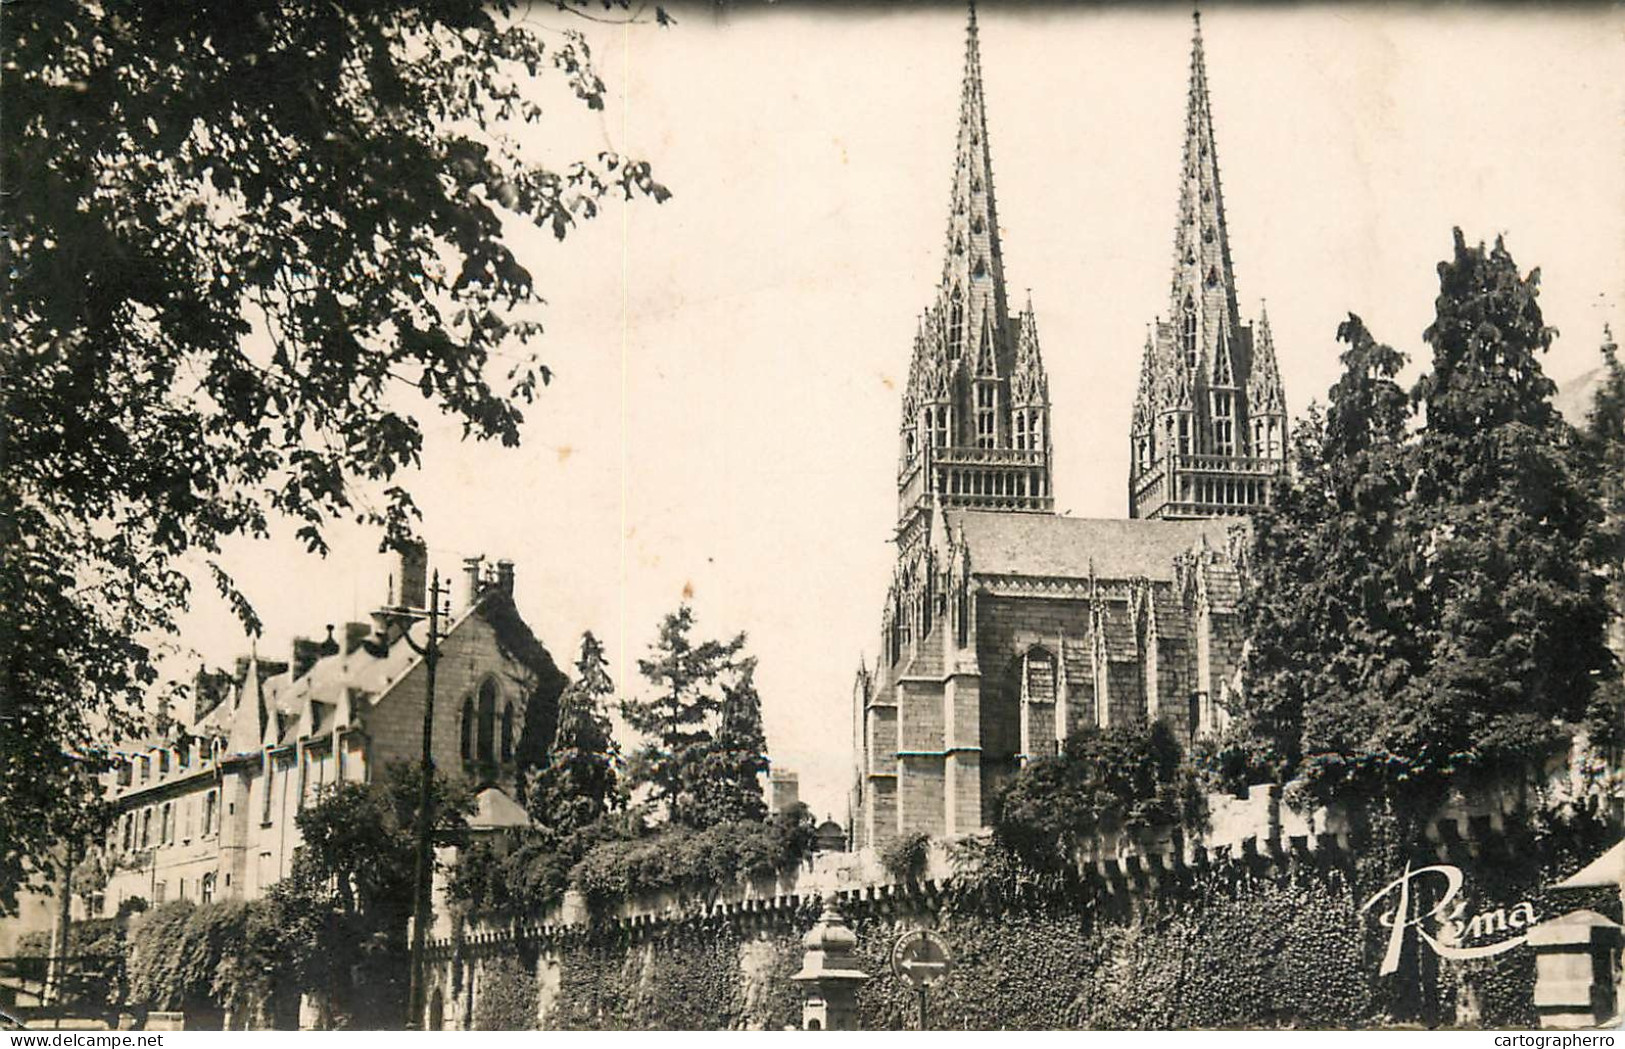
[
  {"x": 505, "y": 576},
  {"x": 305, "y": 654},
  {"x": 471, "y": 581},
  {"x": 330, "y": 646},
  {"x": 413, "y": 575},
  {"x": 354, "y": 635}
]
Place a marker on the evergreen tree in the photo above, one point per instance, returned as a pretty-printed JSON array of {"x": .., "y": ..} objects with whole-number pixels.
[
  {"x": 722, "y": 779},
  {"x": 581, "y": 781},
  {"x": 1424, "y": 606},
  {"x": 683, "y": 724}
]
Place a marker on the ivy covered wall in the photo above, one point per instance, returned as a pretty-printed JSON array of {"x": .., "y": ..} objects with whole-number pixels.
[{"x": 1261, "y": 943}]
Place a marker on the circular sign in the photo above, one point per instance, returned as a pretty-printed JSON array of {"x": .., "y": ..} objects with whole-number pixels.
[{"x": 921, "y": 957}]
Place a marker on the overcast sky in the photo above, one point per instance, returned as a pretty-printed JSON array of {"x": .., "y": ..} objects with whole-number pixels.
[{"x": 724, "y": 414}]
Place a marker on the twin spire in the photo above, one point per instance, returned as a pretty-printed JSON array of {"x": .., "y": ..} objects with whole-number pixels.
[
  {"x": 975, "y": 426},
  {"x": 973, "y": 263}
]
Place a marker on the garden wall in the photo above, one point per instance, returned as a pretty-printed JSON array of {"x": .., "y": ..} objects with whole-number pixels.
[{"x": 1261, "y": 931}]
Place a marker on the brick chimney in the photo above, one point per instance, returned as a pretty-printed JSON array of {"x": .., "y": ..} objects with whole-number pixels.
[
  {"x": 354, "y": 635},
  {"x": 305, "y": 654},
  {"x": 472, "y": 584},
  {"x": 505, "y": 576},
  {"x": 412, "y": 576}
]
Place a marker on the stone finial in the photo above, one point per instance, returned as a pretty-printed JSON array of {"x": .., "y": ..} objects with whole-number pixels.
[{"x": 829, "y": 978}]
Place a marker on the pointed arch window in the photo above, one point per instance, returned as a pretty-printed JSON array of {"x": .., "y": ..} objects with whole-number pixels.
[
  {"x": 1020, "y": 422},
  {"x": 939, "y": 432},
  {"x": 467, "y": 746},
  {"x": 487, "y": 722},
  {"x": 1224, "y": 423},
  {"x": 1184, "y": 435},
  {"x": 956, "y": 324},
  {"x": 507, "y": 733},
  {"x": 986, "y": 406}
]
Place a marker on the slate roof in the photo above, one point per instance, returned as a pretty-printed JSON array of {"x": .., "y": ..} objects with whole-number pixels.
[{"x": 1046, "y": 545}]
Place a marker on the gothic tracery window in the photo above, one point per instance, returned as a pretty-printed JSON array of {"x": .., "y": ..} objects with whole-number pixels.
[
  {"x": 985, "y": 406},
  {"x": 1224, "y": 424}
]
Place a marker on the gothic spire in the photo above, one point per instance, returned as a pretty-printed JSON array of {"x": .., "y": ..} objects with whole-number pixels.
[
  {"x": 973, "y": 269},
  {"x": 1203, "y": 280},
  {"x": 1265, "y": 395},
  {"x": 1028, "y": 383}
]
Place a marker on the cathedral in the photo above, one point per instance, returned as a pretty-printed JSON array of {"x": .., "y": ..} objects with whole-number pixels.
[{"x": 1006, "y": 626}]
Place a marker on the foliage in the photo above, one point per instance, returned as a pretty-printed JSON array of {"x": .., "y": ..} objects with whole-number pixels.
[
  {"x": 1425, "y": 609},
  {"x": 702, "y": 765},
  {"x": 905, "y": 856},
  {"x": 1602, "y": 439},
  {"x": 1123, "y": 778},
  {"x": 518, "y": 642},
  {"x": 581, "y": 781},
  {"x": 707, "y": 860},
  {"x": 507, "y": 997},
  {"x": 338, "y": 921},
  {"x": 244, "y": 244}
]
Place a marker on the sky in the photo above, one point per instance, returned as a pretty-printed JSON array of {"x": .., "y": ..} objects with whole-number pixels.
[{"x": 722, "y": 423}]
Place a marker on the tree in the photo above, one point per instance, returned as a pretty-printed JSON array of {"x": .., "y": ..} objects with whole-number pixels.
[
  {"x": 722, "y": 778},
  {"x": 341, "y": 914},
  {"x": 1603, "y": 441},
  {"x": 1425, "y": 609},
  {"x": 240, "y": 240},
  {"x": 683, "y": 723},
  {"x": 581, "y": 781},
  {"x": 1126, "y": 777}
]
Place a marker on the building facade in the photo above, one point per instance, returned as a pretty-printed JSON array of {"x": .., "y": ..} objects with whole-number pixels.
[
  {"x": 208, "y": 810},
  {"x": 1006, "y": 627}
]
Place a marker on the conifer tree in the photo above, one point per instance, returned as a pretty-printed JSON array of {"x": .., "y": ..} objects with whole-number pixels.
[
  {"x": 581, "y": 781},
  {"x": 702, "y": 727},
  {"x": 723, "y": 778}
]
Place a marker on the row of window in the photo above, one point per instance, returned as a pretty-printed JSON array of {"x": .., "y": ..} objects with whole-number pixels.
[
  {"x": 1267, "y": 433},
  {"x": 183, "y": 820},
  {"x": 179, "y": 757},
  {"x": 204, "y": 890},
  {"x": 480, "y": 729},
  {"x": 1027, "y": 425},
  {"x": 1217, "y": 492},
  {"x": 1020, "y": 484}
]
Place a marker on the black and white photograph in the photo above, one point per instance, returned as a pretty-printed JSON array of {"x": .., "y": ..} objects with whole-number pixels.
[{"x": 734, "y": 515}]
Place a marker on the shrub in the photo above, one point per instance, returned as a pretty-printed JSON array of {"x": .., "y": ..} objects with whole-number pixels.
[{"x": 904, "y": 858}]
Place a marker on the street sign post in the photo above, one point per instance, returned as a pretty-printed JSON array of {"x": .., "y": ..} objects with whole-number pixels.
[{"x": 920, "y": 958}]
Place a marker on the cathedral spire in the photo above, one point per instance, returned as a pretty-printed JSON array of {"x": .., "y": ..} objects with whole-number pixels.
[
  {"x": 973, "y": 291},
  {"x": 1202, "y": 298},
  {"x": 975, "y": 427},
  {"x": 1209, "y": 425}
]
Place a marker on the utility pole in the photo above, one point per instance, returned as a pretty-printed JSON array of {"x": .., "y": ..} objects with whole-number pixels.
[{"x": 425, "y": 858}]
